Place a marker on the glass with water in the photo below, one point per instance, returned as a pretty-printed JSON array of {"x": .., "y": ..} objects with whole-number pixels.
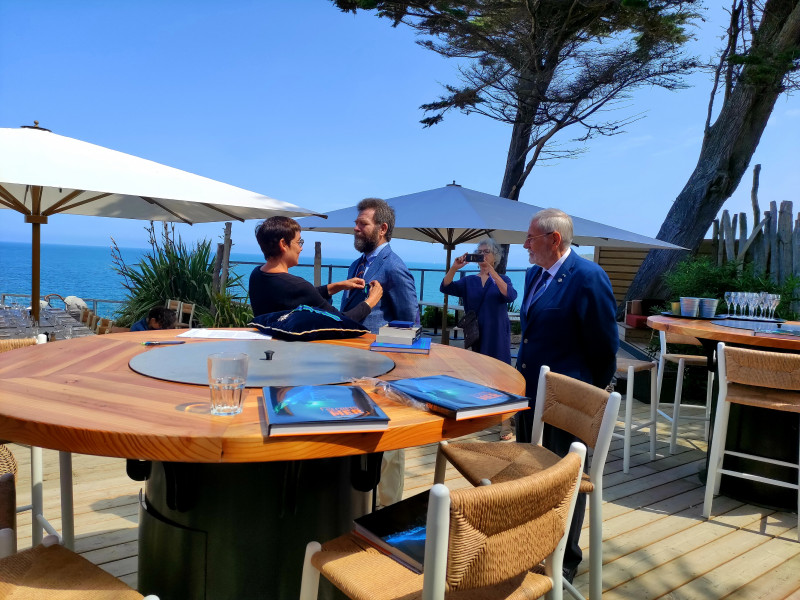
[{"x": 227, "y": 376}]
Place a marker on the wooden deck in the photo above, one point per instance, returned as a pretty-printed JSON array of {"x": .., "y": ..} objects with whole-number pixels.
[{"x": 656, "y": 544}]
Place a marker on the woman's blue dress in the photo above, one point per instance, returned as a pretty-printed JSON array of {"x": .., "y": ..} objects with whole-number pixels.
[{"x": 492, "y": 312}]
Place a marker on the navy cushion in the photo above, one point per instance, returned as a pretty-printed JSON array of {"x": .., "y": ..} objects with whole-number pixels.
[{"x": 306, "y": 323}]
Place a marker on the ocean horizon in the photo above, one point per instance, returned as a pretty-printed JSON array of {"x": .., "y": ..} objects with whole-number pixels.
[{"x": 88, "y": 272}]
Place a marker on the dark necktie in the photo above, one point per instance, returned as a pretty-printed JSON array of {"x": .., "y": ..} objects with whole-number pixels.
[
  {"x": 362, "y": 267},
  {"x": 538, "y": 289}
]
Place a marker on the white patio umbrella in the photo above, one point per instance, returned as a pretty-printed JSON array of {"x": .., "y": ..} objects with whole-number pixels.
[
  {"x": 43, "y": 174},
  {"x": 453, "y": 215}
]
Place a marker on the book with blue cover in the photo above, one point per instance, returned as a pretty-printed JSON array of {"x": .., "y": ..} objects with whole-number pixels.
[
  {"x": 458, "y": 399},
  {"x": 321, "y": 409},
  {"x": 398, "y": 530},
  {"x": 421, "y": 346}
]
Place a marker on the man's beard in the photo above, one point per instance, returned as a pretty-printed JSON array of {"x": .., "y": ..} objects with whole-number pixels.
[{"x": 365, "y": 244}]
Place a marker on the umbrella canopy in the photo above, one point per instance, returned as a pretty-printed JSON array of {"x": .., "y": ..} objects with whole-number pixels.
[
  {"x": 453, "y": 215},
  {"x": 43, "y": 174}
]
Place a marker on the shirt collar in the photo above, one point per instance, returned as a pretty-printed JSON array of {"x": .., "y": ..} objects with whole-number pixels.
[
  {"x": 371, "y": 256},
  {"x": 557, "y": 265}
]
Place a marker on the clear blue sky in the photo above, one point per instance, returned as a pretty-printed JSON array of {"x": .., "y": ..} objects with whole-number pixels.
[{"x": 303, "y": 103}]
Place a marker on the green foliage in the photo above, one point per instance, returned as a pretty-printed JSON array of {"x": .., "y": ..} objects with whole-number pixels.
[
  {"x": 169, "y": 270},
  {"x": 432, "y": 317},
  {"x": 229, "y": 311},
  {"x": 701, "y": 278}
]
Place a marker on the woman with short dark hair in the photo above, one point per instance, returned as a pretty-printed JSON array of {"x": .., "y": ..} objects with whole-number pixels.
[{"x": 273, "y": 289}]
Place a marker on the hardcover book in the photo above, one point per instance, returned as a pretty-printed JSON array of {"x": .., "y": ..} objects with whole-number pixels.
[
  {"x": 321, "y": 409},
  {"x": 398, "y": 335},
  {"x": 398, "y": 530},
  {"x": 421, "y": 346},
  {"x": 458, "y": 399}
]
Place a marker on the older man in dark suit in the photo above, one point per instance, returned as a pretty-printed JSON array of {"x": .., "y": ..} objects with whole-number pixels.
[{"x": 568, "y": 321}]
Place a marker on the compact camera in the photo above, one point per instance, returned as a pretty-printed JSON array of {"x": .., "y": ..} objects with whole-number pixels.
[{"x": 474, "y": 258}]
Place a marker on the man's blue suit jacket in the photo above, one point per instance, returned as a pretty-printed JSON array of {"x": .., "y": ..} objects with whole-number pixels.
[
  {"x": 399, "y": 301},
  {"x": 571, "y": 327}
]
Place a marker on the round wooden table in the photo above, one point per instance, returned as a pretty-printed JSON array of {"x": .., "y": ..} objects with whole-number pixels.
[
  {"x": 227, "y": 510},
  {"x": 747, "y": 424}
]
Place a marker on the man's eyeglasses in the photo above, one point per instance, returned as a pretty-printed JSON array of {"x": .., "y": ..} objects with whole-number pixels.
[
  {"x": 300, "y": 242},
  {"x": 533, "y": 237}
]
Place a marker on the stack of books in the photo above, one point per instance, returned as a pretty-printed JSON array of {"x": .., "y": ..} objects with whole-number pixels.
[{"x": 401, "y": 336}]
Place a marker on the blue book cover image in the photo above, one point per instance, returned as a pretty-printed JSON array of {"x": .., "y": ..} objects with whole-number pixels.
[
  {"x": 459, "y": 399},
  {"x": 308, "y": 409},
  {"x": 398, "y": 530}
]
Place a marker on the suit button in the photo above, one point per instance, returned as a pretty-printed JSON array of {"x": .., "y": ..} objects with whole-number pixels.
[
  {"x": 524, "y": 366},
  {"x": 525, "y": 341}
]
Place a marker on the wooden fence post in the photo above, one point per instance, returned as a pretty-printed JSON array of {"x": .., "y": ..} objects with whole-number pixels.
[
  {"x": 774, "y": 256},
  {"x": 785, "y": 241},
  {"x": 318, "y": 264}
]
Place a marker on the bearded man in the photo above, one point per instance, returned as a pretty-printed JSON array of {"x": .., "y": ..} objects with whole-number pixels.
[{"x": 372, "y": 232}]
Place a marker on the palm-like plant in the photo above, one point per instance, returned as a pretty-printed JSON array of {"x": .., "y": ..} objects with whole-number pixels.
[{"x": 170, "y": 270}]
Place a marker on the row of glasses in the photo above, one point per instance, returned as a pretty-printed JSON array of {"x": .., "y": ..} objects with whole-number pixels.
[{"x": 758, "y": 304}]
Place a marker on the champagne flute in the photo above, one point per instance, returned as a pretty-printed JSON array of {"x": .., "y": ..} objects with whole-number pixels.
[
  {"x": 776, "y": 299},
  {"x": 728, "y": 298}
]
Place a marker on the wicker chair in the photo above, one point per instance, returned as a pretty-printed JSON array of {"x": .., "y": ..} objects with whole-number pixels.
[
  {"x": 47, "y": 571},
  {"x": 485, "y": 542},
  {"x": 769, "y": 380},
  {"x": 39, "y": 523},
  {"x": 627, "y": 368},
  {"x": 583, "y": 410},
  {"x": 185, "y": 316},
  {"x": 683, "y": 361}
]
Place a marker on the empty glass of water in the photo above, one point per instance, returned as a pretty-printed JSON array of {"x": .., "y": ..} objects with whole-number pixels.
[{"x": 227, "y": 376}]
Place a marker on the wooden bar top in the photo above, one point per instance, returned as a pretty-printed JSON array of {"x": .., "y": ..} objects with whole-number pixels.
[
  {"x": 704, "y": 329},
  {"x": 81, "y": 396}
]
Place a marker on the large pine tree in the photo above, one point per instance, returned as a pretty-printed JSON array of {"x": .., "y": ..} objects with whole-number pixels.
[{"x": 546, "y": 66}]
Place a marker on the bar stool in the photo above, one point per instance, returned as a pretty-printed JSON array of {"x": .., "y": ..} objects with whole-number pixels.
[
  {"x": 768, "y": 380},
  {"x": 682, "y": 360},
  {"x": 626, "y": 368}
]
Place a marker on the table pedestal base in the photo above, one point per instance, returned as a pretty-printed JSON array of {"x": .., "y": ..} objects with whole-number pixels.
[{"x": 238, "y": 531}]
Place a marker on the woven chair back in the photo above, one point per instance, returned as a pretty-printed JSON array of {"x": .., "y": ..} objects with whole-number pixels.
[
  {"x": 679, "y": 338},
  {"x": 574, "y": 406},
  {"x": 762, "y": 369},
  {"x": 6, "y": 345},
  {"x": 500, "y": 531},
  {"x": 8, "y": 492}
]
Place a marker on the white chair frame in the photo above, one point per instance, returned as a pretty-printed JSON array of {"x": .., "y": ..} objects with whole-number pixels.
[
  {"x": 599, "y": 455},
  {"x": 717, "y": 451},
  {"x": 436, "y": 542},
  {"x": 676, "y": 416},
  {"x": 652, "y": 422}
]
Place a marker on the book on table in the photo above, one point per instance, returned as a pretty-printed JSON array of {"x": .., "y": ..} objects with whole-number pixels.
[
  {"x": 321, "y": 409},
  {"x": 398, "y": 530},
  {"x": 458, "y": 399},
  {"x": 421, "y": 346},
  {"x": 398, "y": 335}
]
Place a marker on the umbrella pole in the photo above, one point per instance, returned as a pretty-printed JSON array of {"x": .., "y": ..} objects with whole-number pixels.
[
  {"x": 445, "y": 333},
  {"x": 35, "y": 243}
]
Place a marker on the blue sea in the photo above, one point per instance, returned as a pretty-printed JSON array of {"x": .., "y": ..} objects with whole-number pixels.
[{"x": 88, "y": 272}]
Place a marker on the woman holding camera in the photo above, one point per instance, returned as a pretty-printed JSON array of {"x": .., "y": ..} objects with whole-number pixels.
[{"x": 488, "y": 294}]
